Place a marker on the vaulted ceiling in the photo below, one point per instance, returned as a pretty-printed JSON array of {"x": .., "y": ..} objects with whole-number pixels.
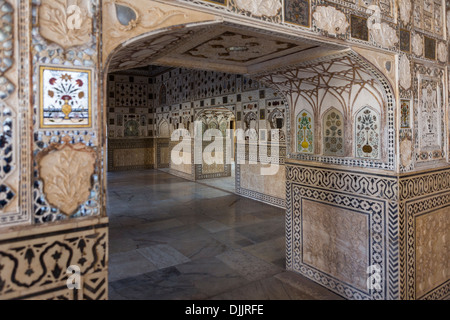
[
  {"x": 341, "y": 76},
  {"x": 223, "y": 47},
  {"x": 306, "y": 68}
]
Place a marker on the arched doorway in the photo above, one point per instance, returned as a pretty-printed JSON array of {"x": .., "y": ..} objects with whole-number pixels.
[{"x": 324, "y": 72}]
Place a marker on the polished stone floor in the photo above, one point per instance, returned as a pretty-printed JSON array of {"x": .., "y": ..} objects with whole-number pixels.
[{"x": 175, "y": 239}]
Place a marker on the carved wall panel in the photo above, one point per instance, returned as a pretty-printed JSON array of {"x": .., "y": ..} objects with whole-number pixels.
[
  {"x": 162, "y": 153},
  {"x": 429, "y": 124},
  {"x": 343, "y": 203},
  {"x": 269, "y": 10},
  {"x": 428, "y": 16},
  {"x": 34, "y": 262},
  {"x": 130, "y": 154},
  {"x": 405, "y": 73},
  {"x": 413, "y": 223},
  {"x": 67, "y": 24},
  {"x": 405, "y": 7},
  {"x": 423, "y": 227},
  {"x": 268, "y": 189},
  {"x": 66, "y": 171},
  {"x": 406, "y": 150},
  {"x": 417, "y": 44},
  {"x": 335, "y": 242},
  {"x": 265, "y": 188},
  {"x": 330, "y": 20},
  {"x": 432, "y": 250},
  {"x": 385, "y": 36}
]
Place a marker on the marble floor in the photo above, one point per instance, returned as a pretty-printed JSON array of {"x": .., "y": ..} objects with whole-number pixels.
[
  {"x": 175, "y": 239},
  {"x": 225, "y": 183}
]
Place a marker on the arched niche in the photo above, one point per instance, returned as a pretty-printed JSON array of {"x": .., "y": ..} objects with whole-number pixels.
[
  {"x": 163, "y": 129},
  {"x": 305, "y": 132},
  {"x": 333, "y": 133},
  {"x": 367, "y": 124}
]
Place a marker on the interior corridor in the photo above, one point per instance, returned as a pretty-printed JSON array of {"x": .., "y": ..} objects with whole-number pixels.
[{"x": 171, "y": 238}]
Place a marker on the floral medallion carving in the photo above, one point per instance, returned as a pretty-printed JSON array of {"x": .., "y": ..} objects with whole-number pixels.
[
  {"x": 406, "y": 147},
  {"x": 331, "y": 20},
  {"x": 260, "y": 8},
  {"x": 405, "y": 73},
  {"x": 405, "y": 11},
  {"x": 442, "y": 52},
  {"x": 417, "y": 45},
  {"x": 66, "y": 170},
  {"x": 385, "y": 35},
  {"x": 66, "y": 23}
]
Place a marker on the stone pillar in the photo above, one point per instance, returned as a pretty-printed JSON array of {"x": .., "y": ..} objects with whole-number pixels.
[{"x": 53, "y": 224}]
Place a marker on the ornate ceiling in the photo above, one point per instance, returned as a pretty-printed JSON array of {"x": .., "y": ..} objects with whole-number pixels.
[
  {"x": 215, "y": 47},
  {"x": 340, "y": 76}
]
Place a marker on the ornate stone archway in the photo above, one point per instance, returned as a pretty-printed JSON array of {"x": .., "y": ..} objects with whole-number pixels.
[{"x": 400, "y": 195}]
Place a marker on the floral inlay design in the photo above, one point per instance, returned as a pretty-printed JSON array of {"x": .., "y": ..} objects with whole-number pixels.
[
  {"x": 305, "y": 132},
  {"x": 405, "y": 114},
  {"x": 333, "y": 134},
  {"x": 65, "y": 97},
  {"x": 367, "y": 134},
  {"x": 430, "y": 117}
]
